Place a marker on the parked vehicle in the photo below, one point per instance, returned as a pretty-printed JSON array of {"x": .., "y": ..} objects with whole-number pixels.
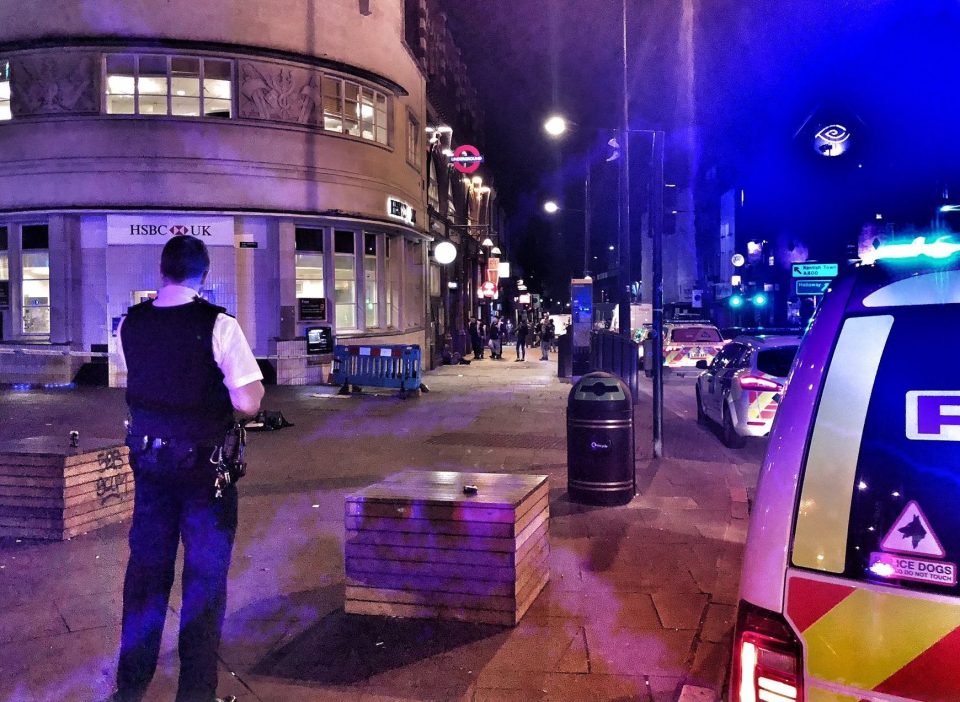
[
  {"x": 849, "y": 587},
  {"x": 740, "y": 389},
  {"x": 683, "y": 345}
]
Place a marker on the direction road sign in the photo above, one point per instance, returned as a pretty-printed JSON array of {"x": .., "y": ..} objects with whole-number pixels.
[
  {"x": 815, "y": 270},
  {"x": 811, "y": 287}
]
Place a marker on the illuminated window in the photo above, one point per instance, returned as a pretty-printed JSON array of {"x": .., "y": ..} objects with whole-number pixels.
[
  {"x": 168, "y": 85},
  {"x": 35, "y": 287},
  {"x": 413, "y": 141},
  {"x": 370, "y": 280},
  {"x": 392, "y": 248},
  {"x": 345, "y": 279},
  {"x": 4, "y": 267},
  {"x": 5, "y": 90},
  {"x": 309, "y": 264},
  {"x": 350, "y": 108}
]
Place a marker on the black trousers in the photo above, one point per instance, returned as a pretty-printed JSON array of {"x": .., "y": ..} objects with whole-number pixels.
[
  {"x": 521, "y": 349},
  {"x": 175, "y": 500}
]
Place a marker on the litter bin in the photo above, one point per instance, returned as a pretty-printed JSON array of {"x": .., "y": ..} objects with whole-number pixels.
[{"x": 600, "y": 447}]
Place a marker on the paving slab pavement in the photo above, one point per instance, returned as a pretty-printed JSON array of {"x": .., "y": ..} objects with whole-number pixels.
[{"x": 640, "y": 603}]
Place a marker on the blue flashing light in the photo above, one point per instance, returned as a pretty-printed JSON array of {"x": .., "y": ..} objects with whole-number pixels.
[
  {"x": 22, "y": 387},
  {"x": 941, "y": 248},
  {"x": 736, "y": 301},
  {"x": 950, "y": 208},
  {"x": 759, "y": 299}
]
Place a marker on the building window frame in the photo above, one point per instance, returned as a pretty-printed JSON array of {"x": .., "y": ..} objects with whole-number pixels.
[
  {"x": 130, "y": 76},
  {"x": 354, "y": 109},
  {"x": 5, "y": 111},
  {"x": 414, "y": 155},
  {"x": 309, "y": 256},
  {"x": 36, "y": 252},
  {"x": 346, "y": 298}
]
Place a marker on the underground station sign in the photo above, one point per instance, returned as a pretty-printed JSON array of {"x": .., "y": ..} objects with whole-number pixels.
[{"x": 466, "y": 158}]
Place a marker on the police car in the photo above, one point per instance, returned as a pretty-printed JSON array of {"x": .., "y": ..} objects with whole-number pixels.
[
  {"x": 741, "y": 388},
  {"x": 849, "y": 588},
  {"x": 685, "y": 343}
]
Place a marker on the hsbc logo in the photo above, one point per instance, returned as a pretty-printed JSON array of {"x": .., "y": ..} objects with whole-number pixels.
[
  {"x": 933, "y": 415},
  {"x": 198, "y": 230}
]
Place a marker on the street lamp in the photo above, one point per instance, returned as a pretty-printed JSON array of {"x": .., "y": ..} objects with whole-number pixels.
[
  {"x": 550, "y": 207},
  {"x": 555, "y": 125}
]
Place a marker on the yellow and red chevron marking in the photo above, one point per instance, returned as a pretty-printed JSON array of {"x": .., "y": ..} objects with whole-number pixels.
[
  {"x": 889, "y": 642},
  {"x": 762, "y": 405}
]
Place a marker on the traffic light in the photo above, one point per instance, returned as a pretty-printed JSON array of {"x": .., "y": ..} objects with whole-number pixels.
[
  {"x": 736, "y": 300},
  {"x": 759, "y": 300}
]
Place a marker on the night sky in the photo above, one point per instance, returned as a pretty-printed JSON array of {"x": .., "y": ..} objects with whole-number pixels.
[{"x": 766, "y": 73}]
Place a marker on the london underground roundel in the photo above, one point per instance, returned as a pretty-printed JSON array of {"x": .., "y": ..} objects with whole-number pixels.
[{"x": 466, "y": 158}]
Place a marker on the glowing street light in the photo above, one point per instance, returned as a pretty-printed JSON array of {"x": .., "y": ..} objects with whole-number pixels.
[
  {"x": 550, "y": 207},
  {"x": 487, "y": 242},
  {"x": 555, "y": 125}
]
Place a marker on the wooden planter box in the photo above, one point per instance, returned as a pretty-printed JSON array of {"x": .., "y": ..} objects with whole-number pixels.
[
  {"x": 49, "y": 490},
  {"x": 417, "y": 546}
]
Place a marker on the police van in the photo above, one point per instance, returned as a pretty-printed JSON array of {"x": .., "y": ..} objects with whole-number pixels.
[{"x": 849, "y": 589}]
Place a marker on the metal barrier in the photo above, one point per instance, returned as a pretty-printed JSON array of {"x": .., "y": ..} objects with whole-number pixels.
[
  {"x": 614, "y": 353},
  {"x": 395, "y": 366}
]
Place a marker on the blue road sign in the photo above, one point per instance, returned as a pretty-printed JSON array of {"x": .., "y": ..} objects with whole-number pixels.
[{"x": 811, "y": 287}]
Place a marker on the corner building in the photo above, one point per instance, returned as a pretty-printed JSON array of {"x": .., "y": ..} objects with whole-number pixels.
[{"x": 285, "y": 133}]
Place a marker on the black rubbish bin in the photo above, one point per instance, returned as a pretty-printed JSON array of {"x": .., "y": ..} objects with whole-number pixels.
[{"x": 600, "y": 446}]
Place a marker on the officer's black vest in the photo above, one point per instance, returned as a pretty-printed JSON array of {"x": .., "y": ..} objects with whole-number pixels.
[{"x": 174, "y": 388}]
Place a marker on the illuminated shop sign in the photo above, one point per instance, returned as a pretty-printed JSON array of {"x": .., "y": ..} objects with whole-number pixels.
[
  {"x": 398, "y": 209},
  {"x": 157, "y": 229},
  {"x": 466, "y": 158}
]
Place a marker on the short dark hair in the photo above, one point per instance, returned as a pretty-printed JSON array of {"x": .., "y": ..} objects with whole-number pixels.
[{"x": 184, "y": 257}]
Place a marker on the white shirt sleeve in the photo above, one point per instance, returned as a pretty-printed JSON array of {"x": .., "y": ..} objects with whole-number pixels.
[{"x": 232, "y": 353}]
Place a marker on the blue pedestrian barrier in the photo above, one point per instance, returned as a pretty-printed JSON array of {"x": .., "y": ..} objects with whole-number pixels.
[{"x": 393, "y": 366}]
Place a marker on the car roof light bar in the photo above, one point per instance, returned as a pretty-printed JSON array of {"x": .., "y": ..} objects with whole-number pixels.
[{"x": 941, "y": 248}]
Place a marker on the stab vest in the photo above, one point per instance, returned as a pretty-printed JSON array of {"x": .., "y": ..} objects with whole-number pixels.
[{"x": 174, "y": 388}]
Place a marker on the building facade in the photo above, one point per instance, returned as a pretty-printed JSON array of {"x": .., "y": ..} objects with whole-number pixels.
[{"x": 289, "y": 135}]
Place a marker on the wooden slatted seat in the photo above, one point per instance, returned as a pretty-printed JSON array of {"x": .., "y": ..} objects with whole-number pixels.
[
  {"x": 417, "y": 546},
  {"x": 49, "y": 490}
]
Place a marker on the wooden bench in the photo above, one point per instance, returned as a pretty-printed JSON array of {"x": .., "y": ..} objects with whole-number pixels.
[
  {"x": 418, "y": 546},
  {"x": 49, "y": 490}
]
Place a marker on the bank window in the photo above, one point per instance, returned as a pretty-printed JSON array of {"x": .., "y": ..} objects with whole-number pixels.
[
  {"x": 4, "y": 269},
  {"x": 160, "y": 85},
  {"x": 345, "y": 279},
  {"x": 371, "y": 298},
  {"x": 413, "y": 141},
  {"x": 350, "y": 108},
  {"x": 309, "y": 264},
  {"x": 35, "y": 272},
  {"x": 393, "y": 282},
  {"x": 5, "y": 90}
]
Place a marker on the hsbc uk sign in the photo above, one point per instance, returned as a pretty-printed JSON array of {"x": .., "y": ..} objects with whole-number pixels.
[{"x": 157, "y": 229}]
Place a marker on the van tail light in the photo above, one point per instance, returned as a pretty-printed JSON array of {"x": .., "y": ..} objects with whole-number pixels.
[
  {"x": 767, "y": 658},
  {"x": 758, "y": 382}
]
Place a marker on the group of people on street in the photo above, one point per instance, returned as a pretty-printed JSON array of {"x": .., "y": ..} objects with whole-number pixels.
[{"x": 499, "y": 331}]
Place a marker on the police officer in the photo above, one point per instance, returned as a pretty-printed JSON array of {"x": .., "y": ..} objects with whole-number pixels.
[{"x": 189, "y": 368}]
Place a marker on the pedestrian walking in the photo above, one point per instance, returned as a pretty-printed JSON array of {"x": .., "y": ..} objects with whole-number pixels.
[
  {"x": 189, "y": 368},
  {"x": 522, "y": 331},
  {"x": 496, "y": 346},
  {"x": 546, "y": 338},
  {"x": 476, "y": 337}
]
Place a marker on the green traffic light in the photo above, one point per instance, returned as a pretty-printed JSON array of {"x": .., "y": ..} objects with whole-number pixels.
[
  {"x": 759, "y": 300},
  {"x": 736, "y": 300}
]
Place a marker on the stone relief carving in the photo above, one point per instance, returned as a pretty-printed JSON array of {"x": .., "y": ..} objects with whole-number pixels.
[
  {"x": 54, "y": 84},
  {"x": 279, "y": 93}
]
